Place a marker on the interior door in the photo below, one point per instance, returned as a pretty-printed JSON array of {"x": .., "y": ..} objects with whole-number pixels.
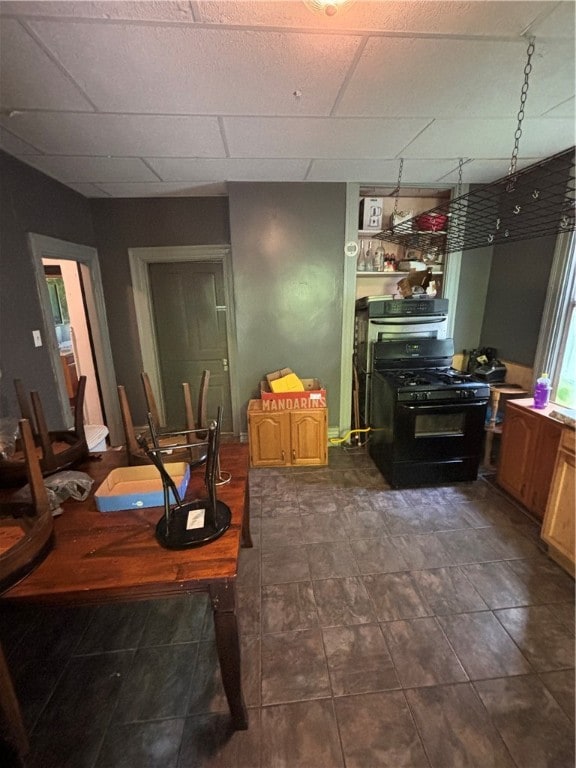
[{"x": 189, "y": 314}]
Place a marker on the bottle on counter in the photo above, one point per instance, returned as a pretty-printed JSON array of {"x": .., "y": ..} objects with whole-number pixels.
[{"x": 542, "y": 391}]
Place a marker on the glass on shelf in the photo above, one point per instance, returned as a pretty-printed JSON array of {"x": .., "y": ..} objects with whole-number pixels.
[
  {"x": 369, "y": 258},
  {"x": 379, "y": 255}
]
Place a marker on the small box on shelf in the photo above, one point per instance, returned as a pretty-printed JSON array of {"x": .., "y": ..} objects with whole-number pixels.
[{"x": 370, "y": 213}]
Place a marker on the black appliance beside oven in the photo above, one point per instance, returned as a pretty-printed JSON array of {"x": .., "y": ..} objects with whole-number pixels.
[
  {"x": 427, "y": 419},
  {"x": 378, "y": 318}
]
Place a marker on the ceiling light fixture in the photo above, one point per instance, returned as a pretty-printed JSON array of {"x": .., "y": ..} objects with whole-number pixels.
[{"x": 329, "y": 8}]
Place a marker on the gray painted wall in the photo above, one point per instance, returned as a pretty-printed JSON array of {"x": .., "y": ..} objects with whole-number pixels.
[
  {"x": 515, "y": 300},
  {"x": 472, "y": 291},
  {"x": 30, "y": 202},
  {"x": 287, "y": 250},
  {"x": 142, "y": 223}
]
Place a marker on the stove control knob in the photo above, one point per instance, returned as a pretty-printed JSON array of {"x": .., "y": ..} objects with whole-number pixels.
[{"x": 424, "y": 395}]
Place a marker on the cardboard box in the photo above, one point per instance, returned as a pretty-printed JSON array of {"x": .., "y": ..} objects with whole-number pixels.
[
  {"x": 136, "y": 487},
  {"x": 278, "y": 374},
  {"x": 371, "y": 213},
  {"x": 314, "y": 396}
]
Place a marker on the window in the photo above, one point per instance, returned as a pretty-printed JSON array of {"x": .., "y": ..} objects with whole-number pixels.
[
  {"x": 565, "y": 389},
  {"x": 556, "y": 352}
]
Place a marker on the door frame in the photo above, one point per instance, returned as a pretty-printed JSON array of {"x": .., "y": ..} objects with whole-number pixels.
[
  {"x": 139, "y": 259},
  {"x": 43, "y": 246}
]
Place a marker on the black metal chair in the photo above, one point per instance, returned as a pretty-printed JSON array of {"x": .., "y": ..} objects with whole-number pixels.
[{"x": 199, "y": 521}]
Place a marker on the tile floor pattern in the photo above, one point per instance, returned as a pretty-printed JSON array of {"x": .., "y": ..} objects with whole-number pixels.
[{"x": 415, "y": 628}]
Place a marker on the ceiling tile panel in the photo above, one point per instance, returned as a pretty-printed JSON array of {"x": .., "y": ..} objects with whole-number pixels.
[
  {"x": 30, "y": 79},
  {"x": 161, "y": 10},
  {"x": 88, "y": 190},
  {"x": 184, "y": 70},
  {"x": 92, "y": 169},
  {"x": 453, "y": 78},
  {"x": 556, "y": 22},
  {"x": 491, "y": 138},
  {"x": 165, "y": 189},
  {"x": 69, "y": 133},
  {"x": 191, "y": 169},
  {"x": 318, "y": 137},
  {"x": 14, "y": 145},
  {"x": 414, "y": 171},
  {"x": 486, "y": 171},
  {"x": 565, "y": 109},
  {"x": 196, "y": 93},
  {"x": 422, "y": 16}
]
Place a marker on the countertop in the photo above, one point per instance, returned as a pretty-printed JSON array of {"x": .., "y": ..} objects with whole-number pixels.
[{"x": 552, "y": 411}]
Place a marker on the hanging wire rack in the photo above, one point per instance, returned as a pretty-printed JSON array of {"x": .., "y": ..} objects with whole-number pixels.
[
  {"x": 535, "y": 202},
  {"x": 539, "y": 200}
]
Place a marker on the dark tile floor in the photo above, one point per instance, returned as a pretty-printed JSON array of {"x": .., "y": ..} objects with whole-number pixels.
[{"x": 401, "y": 628}]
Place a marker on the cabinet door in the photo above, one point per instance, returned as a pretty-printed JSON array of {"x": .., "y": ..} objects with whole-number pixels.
[
  {"x": 542, "y": 467},
  {"x": 269, "y": 436},
  {"x": 558, "y": 529},
  {"x": 518, "y": 443},
  {"x": 309, "y": 437}
]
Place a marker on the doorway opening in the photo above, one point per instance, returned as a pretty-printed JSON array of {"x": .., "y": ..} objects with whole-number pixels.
[
  {"x": 222, "y": 377},
  {"x": 73, "y": 334},
  {"x": 89, "y": 342}
]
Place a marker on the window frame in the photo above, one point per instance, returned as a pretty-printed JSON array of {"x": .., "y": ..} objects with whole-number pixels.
[{"x": 558, "y": 310}]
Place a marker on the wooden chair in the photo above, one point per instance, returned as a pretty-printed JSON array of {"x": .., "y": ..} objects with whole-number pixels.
[
  {"x": 186, "y": 445},
  {"x": 199, "y": 521},
  {"x": 191, "y": 422},
  {"x": 59, "y": 448},
  {"x": 30, "y": 526},
  {"x": 134, "y": 453}
]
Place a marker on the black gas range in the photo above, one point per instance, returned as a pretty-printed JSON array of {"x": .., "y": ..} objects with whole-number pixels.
[
  {"x": 436, "y": 385},
  {"x": 427, "y": 419}
]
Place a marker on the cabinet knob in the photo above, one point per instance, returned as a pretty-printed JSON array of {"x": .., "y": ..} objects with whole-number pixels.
[
  {"x": 283, "y": 455},
  {"x": 294, "y": 454}
]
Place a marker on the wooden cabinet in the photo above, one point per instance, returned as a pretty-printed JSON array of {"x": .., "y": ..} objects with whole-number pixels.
[
  {"x": 70, "y": 374},
  {"x": 288, "y": 438},
  {"x": 530, "y": 441},
  {"x": 558, "y": 529}
]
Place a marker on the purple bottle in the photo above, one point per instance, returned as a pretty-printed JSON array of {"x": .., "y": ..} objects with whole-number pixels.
[{"x": 542, "y": 391}]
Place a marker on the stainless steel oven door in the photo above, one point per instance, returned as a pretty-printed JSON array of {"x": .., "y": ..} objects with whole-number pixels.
[
  {"x": 399, "y": 328},
  {"x": 391, "y": 328}
]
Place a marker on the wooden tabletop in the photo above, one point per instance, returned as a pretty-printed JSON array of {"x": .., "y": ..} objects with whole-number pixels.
[{"x": 99, "y": 557}]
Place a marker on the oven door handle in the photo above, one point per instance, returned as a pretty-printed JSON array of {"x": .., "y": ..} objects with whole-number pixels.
[
  {"x": 411, "y": 320},
  {"x": 445, "y": 406}
]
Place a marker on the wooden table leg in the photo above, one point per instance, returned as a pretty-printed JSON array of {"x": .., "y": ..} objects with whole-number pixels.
[
  {"x": 10, "y": 711},
  {"x": 223, "y": 599}
]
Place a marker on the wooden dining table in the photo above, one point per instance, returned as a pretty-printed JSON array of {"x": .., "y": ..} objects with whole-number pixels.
[{"x": 110, "y": 557}]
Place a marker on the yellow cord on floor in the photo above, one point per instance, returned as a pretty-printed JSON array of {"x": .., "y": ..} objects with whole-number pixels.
[{"x": 347, "y": 435}]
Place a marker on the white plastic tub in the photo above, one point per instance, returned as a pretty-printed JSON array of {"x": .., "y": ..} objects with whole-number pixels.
[{"x": 96, "y": 435}]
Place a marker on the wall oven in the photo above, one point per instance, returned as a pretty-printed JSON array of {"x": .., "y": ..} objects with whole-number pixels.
[
  {"x": 379, "y": 319},
  {"x": 427, "y": 419}
]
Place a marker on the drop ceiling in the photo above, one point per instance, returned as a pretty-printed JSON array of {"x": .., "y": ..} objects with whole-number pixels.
[{"x": 149, "y": 99}]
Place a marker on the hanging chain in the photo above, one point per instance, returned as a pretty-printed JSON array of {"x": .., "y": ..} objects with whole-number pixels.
[
  {"x": 460, "y": 164},
  {"x": 398, "y": 186},
  {"x": 523, "y": 97}
]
